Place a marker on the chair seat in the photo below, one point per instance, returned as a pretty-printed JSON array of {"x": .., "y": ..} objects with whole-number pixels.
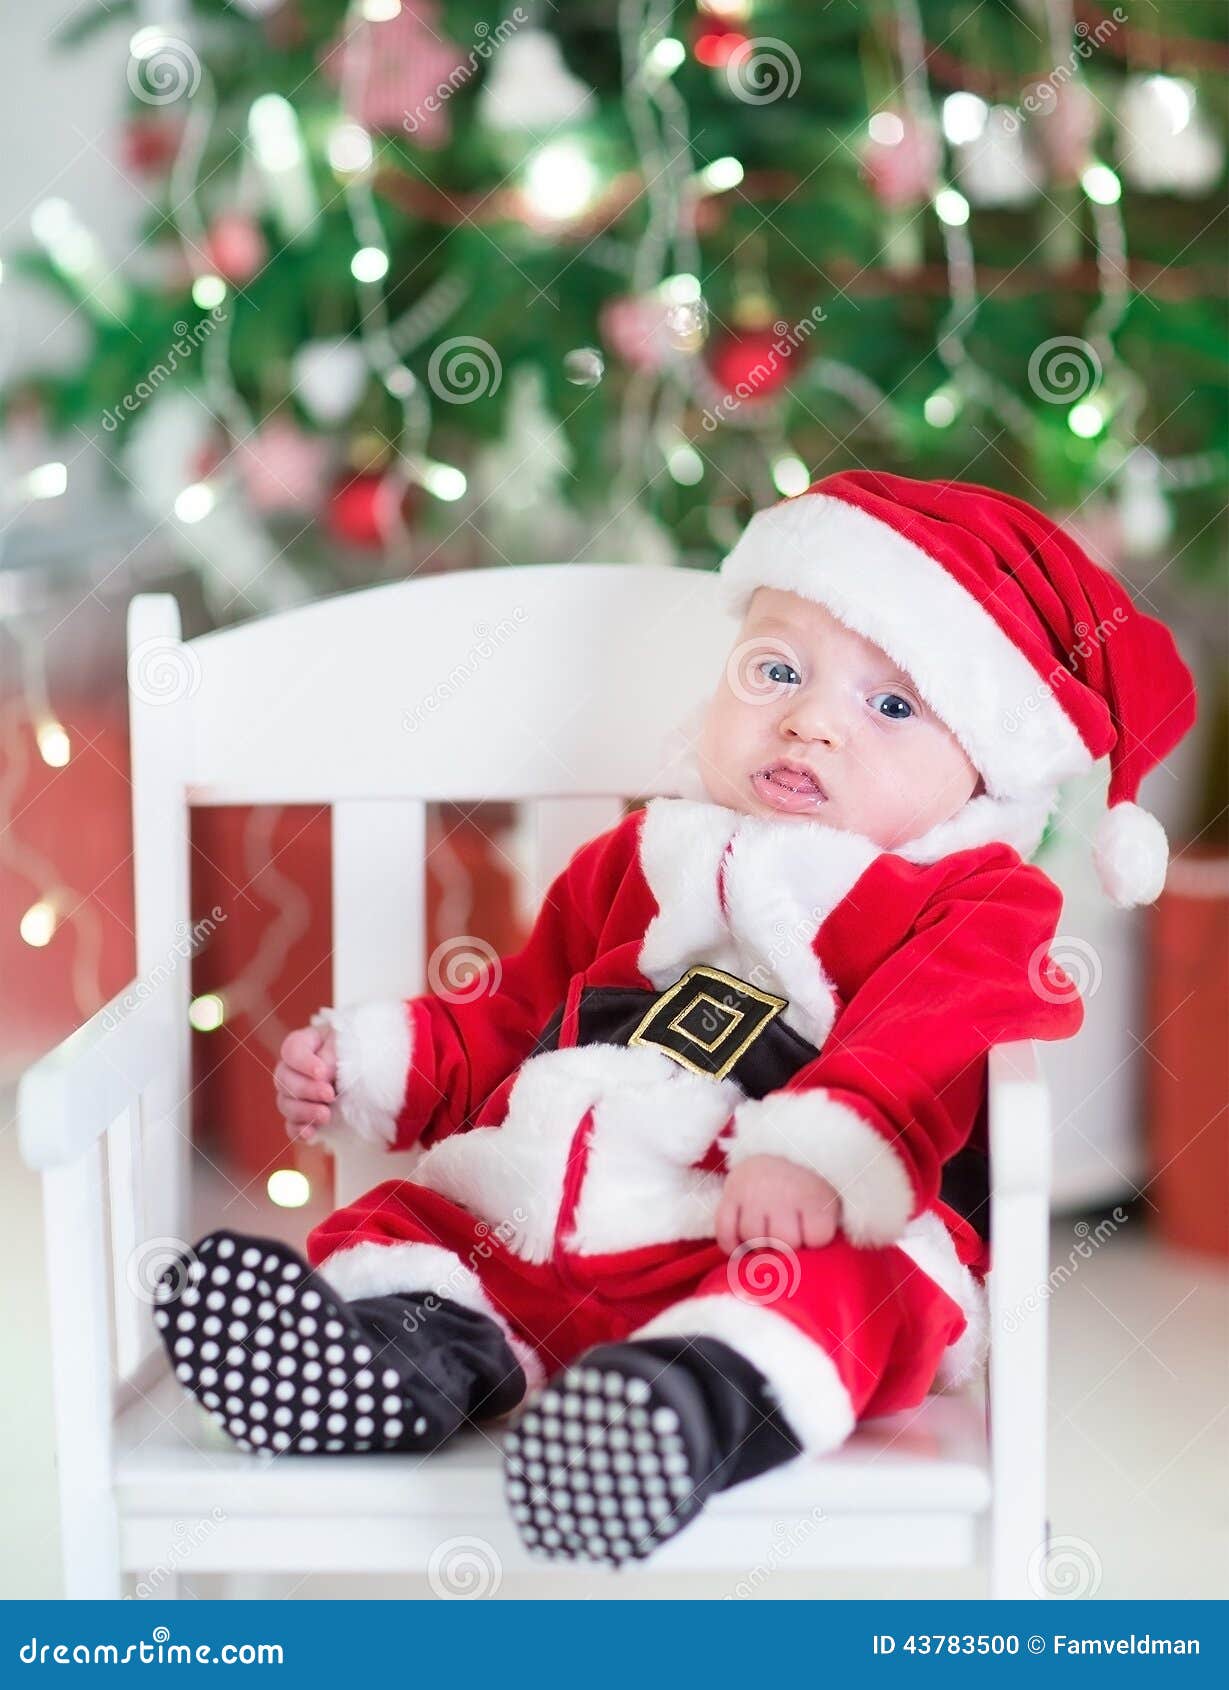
[{"x": 906, "y": 1489}]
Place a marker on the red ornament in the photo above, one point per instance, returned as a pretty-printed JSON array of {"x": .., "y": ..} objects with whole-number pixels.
[
  {"x": 363, "y": 510},
  {"x": 148, "y": 145},
  {"x": 754, "y": 364},
  {"x": 407, "y": 67},
  {"x": 235, "y": 246},
  {"x": 713, "y": 41}
]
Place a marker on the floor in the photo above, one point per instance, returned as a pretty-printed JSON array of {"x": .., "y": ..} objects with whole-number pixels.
[{"x": 1139, "y": 1417}]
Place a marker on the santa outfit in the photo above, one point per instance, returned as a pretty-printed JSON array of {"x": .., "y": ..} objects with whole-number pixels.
[{"x": 702, "y": 985}]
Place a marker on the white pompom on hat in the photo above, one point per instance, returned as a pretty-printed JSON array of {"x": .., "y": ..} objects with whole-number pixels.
[{"x": 1035, "y": 657}]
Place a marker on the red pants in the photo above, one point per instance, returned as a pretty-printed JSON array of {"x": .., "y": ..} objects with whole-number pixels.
[{"x": 840, "y": 1333}]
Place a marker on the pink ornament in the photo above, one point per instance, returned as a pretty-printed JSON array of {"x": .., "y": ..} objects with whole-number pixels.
[
  {"x": 1065, "y": 124},
  {"x": 405, "y": 73},
  {"x": 282, "y": 467},
  {"x": 901, "y": 172},
  {"x": 235, "y": 247},
  {"x": 636, "y": 329}
]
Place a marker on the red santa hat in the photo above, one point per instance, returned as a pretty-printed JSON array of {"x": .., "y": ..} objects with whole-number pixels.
[{"x": 1035, "y": 657}]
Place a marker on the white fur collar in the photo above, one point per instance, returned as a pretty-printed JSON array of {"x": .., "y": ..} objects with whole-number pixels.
[{"x": 782, "y": 878}]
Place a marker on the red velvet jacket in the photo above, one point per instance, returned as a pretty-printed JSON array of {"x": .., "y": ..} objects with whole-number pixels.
[{"x": 902, "y": 969}]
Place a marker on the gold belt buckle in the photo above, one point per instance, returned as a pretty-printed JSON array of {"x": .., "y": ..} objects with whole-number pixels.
[{"x": 707, "y": 1020}]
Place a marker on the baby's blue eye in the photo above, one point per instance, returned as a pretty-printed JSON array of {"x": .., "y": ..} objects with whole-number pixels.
[
  {"x": 778, "y": 663},
  {"x": 894, "y": 715}
]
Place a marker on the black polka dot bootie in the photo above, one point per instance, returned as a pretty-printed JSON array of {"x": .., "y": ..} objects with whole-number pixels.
[
  {"x": 287, "y": 1366},
  {"x": 624, "y": 1448}
]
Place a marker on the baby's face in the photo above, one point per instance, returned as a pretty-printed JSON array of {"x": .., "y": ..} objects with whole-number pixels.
[{"x": 802, "y": 694}]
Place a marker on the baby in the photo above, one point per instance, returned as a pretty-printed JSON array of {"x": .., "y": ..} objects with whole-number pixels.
[{"x": 702, "y": 1177}]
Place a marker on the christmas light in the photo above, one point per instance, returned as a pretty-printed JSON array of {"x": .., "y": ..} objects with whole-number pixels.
[
  {"x": 369, "y": 264},
  {"x": 951, "y": 207},
  {"x": 77, "y": 255},
  {"x": 146, "y": 42},
  {"x": 560, "y": 181},
  {"x": 685, "y": 464},
  {"x": 1086, "y": 419},
  {"x": 350, "y": 148},
  {"x": 53, "y": 744},
  {"x": 1101, "y": 184},
  {"x": 38, "y": 924},
  {"x": 721, "y": 175},
  {"x": 48, "y": 481},
  {"x": 964, "y": 117},
  {"x": 790, "y": 476},
  {"x": 886, "y": 129},
  {"x": 287, "y": 1187},
  {"x": 1176, "y": 97},
  {"x": 208, "y": 292},
  {"x": 195, "y": 502},
  {"x": 207, "y": 1013},
  {"x": 274, "y": 131},
  {"x": 666, "y": 56},
  {"x": 281, "y": 157},
  {"x": 444, "y": 481},
  {"x": 942, "y": 408}
]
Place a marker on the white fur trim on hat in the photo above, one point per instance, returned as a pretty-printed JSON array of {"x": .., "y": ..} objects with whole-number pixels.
[
  {"x": 1131, "y": 854},
  {"x": 886, "y": 588},
  {"x": 823, "y": 1134},
  {"x": 374, "y": 1052},
  {"x": 801, "y": 1375}
]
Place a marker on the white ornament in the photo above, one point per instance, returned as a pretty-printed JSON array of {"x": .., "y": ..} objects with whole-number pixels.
[
  {"x": 530, "y": 89},
  {"x": 329, "y": 377},
  {"x": 1165, "y": 145},
  {"x": 995, "y": 168}
]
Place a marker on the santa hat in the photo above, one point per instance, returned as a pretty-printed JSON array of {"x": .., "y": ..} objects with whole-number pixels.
[{"x": 1034, "y": 656}]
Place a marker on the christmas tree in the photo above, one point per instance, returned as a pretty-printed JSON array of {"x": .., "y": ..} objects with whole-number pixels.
[{"x": 433, "y": 284}]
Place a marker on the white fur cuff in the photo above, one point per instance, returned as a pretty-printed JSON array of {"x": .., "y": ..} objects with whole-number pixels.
[
  {"x": 374, "y": 1052},
  {"x": 801, "y": 1375},
  {"x": 821, "y": 1133}
]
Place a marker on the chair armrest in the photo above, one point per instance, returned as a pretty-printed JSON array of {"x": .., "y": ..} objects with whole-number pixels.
[
  {"x": 69, "y": 1098},
  {"x": 1019, "y": 1121}
]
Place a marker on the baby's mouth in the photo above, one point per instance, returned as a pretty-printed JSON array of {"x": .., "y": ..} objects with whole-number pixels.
[{"x": 788, "y": 786}]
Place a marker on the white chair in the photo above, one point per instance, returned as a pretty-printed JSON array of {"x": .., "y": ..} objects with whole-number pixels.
[{"x": 484, "y": 684}]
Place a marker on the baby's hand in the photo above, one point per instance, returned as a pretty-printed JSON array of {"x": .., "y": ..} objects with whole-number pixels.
[
  {"x": 306, "y": 1079},
  {"x": 768, "y": 1197}
]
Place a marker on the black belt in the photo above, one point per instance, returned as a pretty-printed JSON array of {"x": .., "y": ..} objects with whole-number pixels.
[{"x": 715, "y": 1024}]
